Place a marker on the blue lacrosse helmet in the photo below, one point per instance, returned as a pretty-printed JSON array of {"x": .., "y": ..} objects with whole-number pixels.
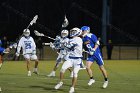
[{"x": 85, "y": 28}]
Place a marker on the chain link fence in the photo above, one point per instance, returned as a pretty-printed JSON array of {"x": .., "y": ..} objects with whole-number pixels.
[{"x": 119, "y": 52}]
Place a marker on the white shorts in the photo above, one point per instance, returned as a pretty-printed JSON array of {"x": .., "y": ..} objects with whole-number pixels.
[
  {"x": 75, "y": 63},
  {"x": 30, "y": 56}
]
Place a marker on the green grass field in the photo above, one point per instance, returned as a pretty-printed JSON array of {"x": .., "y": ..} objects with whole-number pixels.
[{"x": 124, "y": 77}]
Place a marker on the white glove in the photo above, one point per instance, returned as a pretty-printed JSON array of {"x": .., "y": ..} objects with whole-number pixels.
[
  {"x": 52, "y": 45},
  {"x": 17, "y": 54},
  {"x": 92, "y": 51}
]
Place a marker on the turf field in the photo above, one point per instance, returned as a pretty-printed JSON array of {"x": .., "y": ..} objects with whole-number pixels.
[{"x": 124, "y": 77}]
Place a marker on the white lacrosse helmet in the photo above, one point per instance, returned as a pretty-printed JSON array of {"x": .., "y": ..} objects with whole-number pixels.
[
  {"x": 75, "y": 32},
  {"x": 26, "y": 32},
  {"x": 64, "y": 33}
]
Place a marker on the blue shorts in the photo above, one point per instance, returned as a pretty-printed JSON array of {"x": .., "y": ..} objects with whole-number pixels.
[{"x": 96, "y": 57}]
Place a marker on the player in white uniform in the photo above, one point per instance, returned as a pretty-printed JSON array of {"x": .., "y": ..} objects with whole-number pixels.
[
  {"x": 29, "y": 50},
  {"x": 63, "y": 53},
  {"x": 75, "y": 58}
]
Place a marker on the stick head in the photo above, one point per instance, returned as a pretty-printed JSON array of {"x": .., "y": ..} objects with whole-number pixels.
[
  {"x": 37, "y": 33},
  {"x": 66, "y": 22},
  {"x": 34, "y": 20}
]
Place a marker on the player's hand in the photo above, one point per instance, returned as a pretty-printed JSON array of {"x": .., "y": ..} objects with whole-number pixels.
[
  {"x": 52, "y": 45},
  {"x": 92, "y": 51},
  {"x": 7, "y": 50}
]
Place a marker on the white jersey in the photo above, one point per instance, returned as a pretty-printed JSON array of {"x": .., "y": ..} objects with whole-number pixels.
[
  {"x": 77, "y": 46},
  {"x": 63, "y": 49},
  {"x": 28, "y": 45}
]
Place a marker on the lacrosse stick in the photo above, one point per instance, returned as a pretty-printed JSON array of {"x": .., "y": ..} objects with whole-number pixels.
[
  {"x": 42, "y": 35},
  {"x": 30, "y": 24},
  {"x": 33, "y": 21},
  {"x": 65, "y": 23}
]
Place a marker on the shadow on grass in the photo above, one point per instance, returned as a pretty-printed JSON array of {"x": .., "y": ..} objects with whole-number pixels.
[
  {"x": 53, "y": 84},
  {"x": 48, "y": 88}
]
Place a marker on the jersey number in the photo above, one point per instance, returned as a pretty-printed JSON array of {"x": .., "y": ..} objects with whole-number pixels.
[{"x": 27, "y": 45}]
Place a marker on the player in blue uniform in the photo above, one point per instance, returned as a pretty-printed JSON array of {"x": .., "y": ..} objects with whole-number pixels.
[
  {"x": 91, "y": 46},
  {"x": 2, "y": 50}
]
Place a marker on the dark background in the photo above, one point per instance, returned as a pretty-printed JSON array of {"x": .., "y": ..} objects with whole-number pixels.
[{"x": 15, "y": 15}]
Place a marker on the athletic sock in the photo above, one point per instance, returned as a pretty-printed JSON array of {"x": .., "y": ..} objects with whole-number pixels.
[
  {"x": 106, "y": 79},
  {"x": 91, "y": 77},
  {"x": 35, "y": 69}
]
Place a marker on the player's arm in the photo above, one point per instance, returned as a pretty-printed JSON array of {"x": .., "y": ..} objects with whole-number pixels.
[
  {"x": 4, "y": 50},
  {"x": 34, "y": 47},
  {"x": 96, "y": 41},
  {"x": 19, "y": 47}
]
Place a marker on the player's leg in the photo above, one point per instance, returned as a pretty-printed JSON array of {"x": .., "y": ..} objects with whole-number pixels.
[
  {"x": 76, "y": 69},
  {"x": 65, "y": 58},
  {"x": 65, "y": 66},
  {"x": 35, "y": 70},
  {"x": 89, "y": 71},
  {"x": 105, "y": 84},
  {"x": 58, "y": 61},
  {"x": 0, "y": 61},
  {"x": 103, "y": 70},
  {"x": 27, "y": 59}
]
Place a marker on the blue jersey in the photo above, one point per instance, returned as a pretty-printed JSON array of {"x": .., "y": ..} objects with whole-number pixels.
[
  {"x": 1, "y": 50},
  {"x": 90, "y": 40},
  {"x": 0, "y": 43}
]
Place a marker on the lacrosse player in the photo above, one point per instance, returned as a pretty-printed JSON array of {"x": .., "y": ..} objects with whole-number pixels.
[
  {"x": 29, "y": 50},
  {"x": 63, "y": 52},
  {"x": 75, "y": 58},
  {"x": 2, "y": 51},
  {"x": 91, "y": 44}
]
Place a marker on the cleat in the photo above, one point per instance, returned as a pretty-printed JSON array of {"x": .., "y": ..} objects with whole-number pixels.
[
  {"x": 35, "y": 72},
  {"x": 58, "y": 85},
  {"x": 105, "y": 84},
  {"x": 71, "y": 75},
  {"x": 82, "y": 67},
  {"x": 91, "y": 81},
  {"x": 0, "y": 89},
  {"x": 29, "y": 73},
  {"x": 52, "y": 74},
  {"x": 71, "y": 90}
]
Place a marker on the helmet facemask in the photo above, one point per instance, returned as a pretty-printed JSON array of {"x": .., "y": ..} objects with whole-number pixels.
[
  {"x": 75, "y": 32},
  {"x": 64, "y": 33},
  {"x": 26, "y": 32}
]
